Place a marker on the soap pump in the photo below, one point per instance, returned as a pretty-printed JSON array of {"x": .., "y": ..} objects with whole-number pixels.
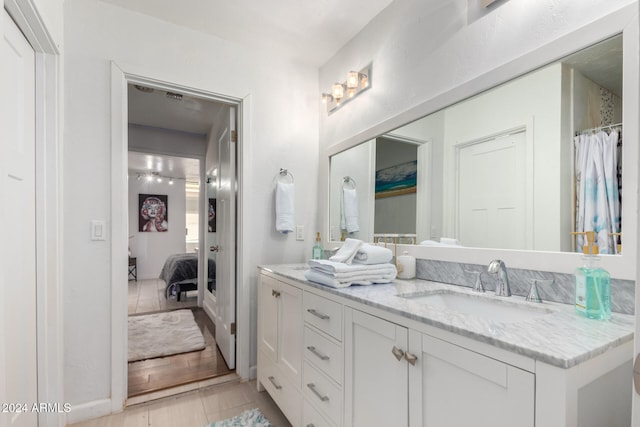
[
  {"x": 317, "y": 251},
  {"x": 593, "y": 285}
]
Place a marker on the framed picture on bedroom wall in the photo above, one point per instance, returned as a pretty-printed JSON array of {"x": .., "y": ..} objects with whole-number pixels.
[
  {"x": 212, "y": 215},
  {"x": 153, "y": 212}
]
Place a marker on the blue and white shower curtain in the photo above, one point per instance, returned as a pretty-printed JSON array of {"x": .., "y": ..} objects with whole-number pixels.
[{"x": 598, "y": 201}]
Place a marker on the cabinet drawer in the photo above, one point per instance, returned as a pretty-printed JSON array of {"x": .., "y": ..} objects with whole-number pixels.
[
  {"x": 283, "y": 392},
  {"x": 324, "y": 314},
  {"x": 325, "y": 354},
  {"x": 312, "y": 418},
  {"x": 326, "y": 396}
]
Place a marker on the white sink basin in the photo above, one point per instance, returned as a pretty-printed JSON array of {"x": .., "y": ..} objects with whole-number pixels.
[{"x": 486, "y": 307}]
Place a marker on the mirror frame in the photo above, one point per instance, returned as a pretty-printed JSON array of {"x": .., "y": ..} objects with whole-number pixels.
[{"x": 623, "y": 21}]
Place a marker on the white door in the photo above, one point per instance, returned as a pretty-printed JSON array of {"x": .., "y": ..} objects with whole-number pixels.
[
  {"x": 492, "y": 177},
  {"x": 226, "y": 259},
  {"x": 18, "y": 352}
]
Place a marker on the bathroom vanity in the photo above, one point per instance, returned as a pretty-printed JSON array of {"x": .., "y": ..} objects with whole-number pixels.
[{"x": 420, "y": 353}]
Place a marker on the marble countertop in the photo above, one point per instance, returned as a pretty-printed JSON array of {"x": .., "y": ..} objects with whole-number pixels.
[{"x": 559, "y": 337}]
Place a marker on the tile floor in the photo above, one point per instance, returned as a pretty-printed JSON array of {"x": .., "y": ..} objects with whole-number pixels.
[
  {"x": 148, "y": 295},
  {"x": 195, "y": 409}
]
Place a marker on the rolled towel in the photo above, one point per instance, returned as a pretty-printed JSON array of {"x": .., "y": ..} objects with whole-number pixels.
[
  {"x": 349, "y": 214},
  {"x": 371, "y": 254},
  {"x": 284, "y": 207},
  {"x": 346, "y": 253}
]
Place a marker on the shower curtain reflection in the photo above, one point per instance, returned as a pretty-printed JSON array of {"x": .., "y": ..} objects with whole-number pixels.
[{"x": 598, "y": 190}]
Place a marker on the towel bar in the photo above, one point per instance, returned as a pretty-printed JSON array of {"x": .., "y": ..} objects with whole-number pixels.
[
  {"x": 346, "y": 180},
  {"x": 284, "y": 173}
]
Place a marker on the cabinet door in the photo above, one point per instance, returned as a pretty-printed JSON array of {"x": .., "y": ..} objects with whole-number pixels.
[
  {"x": 268, "y": 321},
  {"x": 376, "y": 381},
  {"x": 280, "y": 328},
  {"x": 453, "y": 386},
  {"x": 290, "y": 331}
]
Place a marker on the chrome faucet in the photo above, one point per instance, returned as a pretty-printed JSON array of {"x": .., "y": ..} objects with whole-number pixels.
[{"x": 498, "y": 268}]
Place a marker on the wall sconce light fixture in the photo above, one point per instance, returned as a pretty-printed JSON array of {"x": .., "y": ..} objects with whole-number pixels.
[{"x": 341, "y": 93}]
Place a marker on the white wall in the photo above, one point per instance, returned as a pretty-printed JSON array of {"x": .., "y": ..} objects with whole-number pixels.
[
  {"x": 283, "y": 134},
  {"x": 151, "y": 249},
  {"x": 421, "y": 49},
  {"x": 150, "y": 140}
]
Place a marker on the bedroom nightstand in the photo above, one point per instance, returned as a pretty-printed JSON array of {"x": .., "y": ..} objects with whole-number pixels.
[{"x": 133, "y": 268}]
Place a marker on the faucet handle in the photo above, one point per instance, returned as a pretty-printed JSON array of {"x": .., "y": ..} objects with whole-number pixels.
[
  {"x": 477, "y": 284},
  {"x": 534, "y": 296}
]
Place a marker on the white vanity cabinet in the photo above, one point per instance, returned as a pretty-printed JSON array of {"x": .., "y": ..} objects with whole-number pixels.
[
  {"x": 399, "y": 376},
  {"x": 334, "y": 358},
  {"x": 280, "y": 344},
  {"x": 452, "y": 386}
]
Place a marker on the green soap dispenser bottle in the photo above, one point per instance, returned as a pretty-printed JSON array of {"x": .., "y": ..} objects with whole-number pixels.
[
  {"x": 593, "y": 284},
  {"x": 317, "y": 251}
]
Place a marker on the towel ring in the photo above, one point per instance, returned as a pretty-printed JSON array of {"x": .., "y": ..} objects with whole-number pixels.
[
  {"x": 346, "y": 180},
  {"x": 284, "y": 173}
]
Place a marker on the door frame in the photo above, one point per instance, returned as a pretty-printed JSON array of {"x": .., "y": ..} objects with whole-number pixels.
[
  {"x": 49, "y": 306},
  {"x": 120, "y": 78}
]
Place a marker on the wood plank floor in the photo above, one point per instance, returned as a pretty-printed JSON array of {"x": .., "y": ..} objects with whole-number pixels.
[{"x": 151, "y": 375}]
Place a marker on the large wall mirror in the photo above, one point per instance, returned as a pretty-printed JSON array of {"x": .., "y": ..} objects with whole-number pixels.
[{"x": 504, "y": 169}]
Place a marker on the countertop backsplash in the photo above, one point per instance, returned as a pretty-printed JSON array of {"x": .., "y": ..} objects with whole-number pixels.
[{"x": 562, "y": 290}]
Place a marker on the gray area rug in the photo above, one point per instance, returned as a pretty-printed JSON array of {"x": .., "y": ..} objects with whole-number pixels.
[
  {"x": 249, "y": 418},
  {"x": 163, "y": 334}
]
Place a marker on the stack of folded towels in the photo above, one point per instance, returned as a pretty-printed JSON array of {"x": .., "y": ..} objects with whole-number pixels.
[{"x": 356, "y": 263}]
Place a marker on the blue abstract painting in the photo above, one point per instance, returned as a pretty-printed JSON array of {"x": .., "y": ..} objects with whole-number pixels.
[{"x": 396, "y": 180}]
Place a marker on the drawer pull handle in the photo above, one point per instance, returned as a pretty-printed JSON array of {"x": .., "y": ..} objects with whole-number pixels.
[
  {"x": 310, "y": 425},
  {"x": 316, "y": 353},
  {"x": 318, "y": 314},
  {"x": 399, "y": 354},
  {"x": 275, "y": 293},
  {"x": 275, "y": 384},
  {"x": 411, "y": 358},
  {"x": 312, "y": 387}
]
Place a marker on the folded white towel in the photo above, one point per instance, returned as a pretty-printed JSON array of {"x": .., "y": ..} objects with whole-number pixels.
[
  {"x": 349, "y": 213},
  {"x": 284, "y": 207},
  {"x": 332, "y": 267},
  {"x": 317, "y": 276},
  {"x": 348, "y": 250},
  {"x": 372, "y": 254}
]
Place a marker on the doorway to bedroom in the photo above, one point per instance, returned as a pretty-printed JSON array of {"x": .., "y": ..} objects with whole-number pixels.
[{"x": 171, "y": 339}]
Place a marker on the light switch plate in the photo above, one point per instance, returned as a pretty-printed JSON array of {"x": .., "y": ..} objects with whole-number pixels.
[
  {"x": 299, "y": 232},
  {"x": 98, "y": 230}
]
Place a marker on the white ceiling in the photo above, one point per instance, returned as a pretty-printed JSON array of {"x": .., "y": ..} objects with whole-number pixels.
[
  {"x": 156, "y": 110},
  {"x": 309, "y": 30}
]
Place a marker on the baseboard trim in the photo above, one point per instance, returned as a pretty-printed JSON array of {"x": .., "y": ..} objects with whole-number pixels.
[
  {"x": 253, "y": 372},
  {"x": 89, "y": 410}
]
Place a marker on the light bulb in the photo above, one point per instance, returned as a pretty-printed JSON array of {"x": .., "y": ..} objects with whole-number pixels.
[
  {"x": 338, "y": 91},
  {"x": 352, "y": 80}
]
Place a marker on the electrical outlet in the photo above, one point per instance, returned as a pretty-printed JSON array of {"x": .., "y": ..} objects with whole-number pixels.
[{"x": 299, "y": 232}]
